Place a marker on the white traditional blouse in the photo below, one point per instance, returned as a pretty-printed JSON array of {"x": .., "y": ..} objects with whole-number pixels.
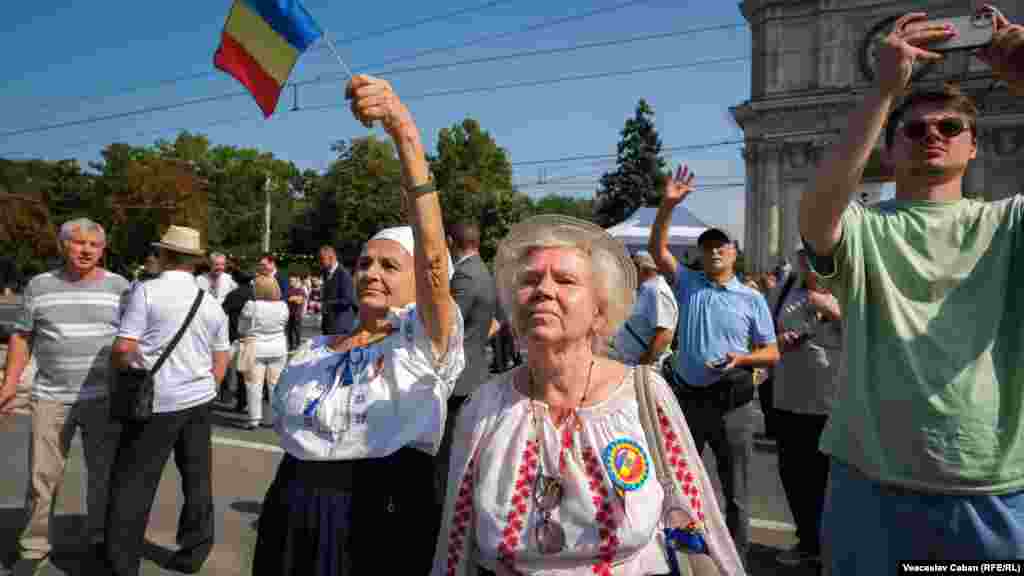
[
  {"x": 490, "y": 516},
  {"x": 370, "y": 401}
]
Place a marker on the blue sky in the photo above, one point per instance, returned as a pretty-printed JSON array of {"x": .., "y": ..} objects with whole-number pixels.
[{"x": 73, "y": 60}]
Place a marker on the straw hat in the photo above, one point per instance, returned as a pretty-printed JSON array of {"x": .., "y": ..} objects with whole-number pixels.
[
  {"x": 542, "y": 229},
  {"x": 182, "y": 240}
]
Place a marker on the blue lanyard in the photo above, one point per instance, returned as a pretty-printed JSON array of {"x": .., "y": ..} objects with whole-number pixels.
[{"x": 347, "y": 378}]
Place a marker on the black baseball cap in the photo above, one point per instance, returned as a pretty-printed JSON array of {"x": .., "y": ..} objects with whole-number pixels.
[{"x": 715, "y": 234}]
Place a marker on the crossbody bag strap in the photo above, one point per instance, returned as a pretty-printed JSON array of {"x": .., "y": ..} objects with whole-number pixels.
[
  {"x": 786, "y": 288},
  {"x": 647, "y": 410},
  {"x": 635, "y": 335},
  {"x": 181, "y": 332}
]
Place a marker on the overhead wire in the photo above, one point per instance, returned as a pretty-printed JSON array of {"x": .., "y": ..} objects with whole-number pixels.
[
  {"x": 242, "y": 93},
  {"x": 420, "y": 53},
  {"x": 344, "y": 40}
]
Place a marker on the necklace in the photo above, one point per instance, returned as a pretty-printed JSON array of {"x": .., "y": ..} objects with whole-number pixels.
[{"x": 548, "y": 490}]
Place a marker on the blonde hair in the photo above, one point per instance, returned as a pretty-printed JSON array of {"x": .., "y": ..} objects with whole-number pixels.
[{"x": 266, "y": 288}]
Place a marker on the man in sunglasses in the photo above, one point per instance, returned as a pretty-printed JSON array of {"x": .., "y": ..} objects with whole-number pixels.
[{"x": 927, "y": 433}]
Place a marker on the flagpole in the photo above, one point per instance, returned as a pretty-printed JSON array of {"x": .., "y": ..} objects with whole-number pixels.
[{"x": 337, "y": 55}]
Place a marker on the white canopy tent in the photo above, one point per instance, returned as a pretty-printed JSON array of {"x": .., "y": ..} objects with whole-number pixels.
[{"x": 683, "y": 231}]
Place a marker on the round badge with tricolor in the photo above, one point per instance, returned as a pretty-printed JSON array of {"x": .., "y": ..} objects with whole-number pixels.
[{"x": 627, "y": 464}]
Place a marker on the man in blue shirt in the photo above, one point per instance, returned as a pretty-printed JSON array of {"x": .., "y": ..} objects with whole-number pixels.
[{"x": 725, "y": 331}]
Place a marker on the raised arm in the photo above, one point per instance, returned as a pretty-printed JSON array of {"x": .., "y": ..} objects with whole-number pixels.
[
  {"x": 839, "y": 175},
  {"x": 677, "y": 188},
  {"x": 1005, "y": 55},
  {"x": 373, "y": 99}
]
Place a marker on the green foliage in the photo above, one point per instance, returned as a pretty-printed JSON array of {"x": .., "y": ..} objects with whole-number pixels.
[
  {"x": 640, "y": 173},
  {"x": 136, "y": 191},
  {"x": 359, "y": 195},
  {"x": 474, "y": 177},
  {"x": 581, "y": 208}
]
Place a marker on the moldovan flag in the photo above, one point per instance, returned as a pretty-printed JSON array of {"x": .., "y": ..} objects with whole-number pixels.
[{"x": 260, "y": 43}]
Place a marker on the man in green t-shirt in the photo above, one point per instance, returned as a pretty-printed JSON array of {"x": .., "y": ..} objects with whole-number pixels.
[{"x": 926, "y": 435}]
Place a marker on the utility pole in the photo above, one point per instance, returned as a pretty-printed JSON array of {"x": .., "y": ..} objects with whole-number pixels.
[{"x": 266, "y": 217}]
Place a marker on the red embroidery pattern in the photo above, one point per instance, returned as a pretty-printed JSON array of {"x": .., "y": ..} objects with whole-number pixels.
[
  {"x": 520, "y": 504},
  {"x": 461, "y": 519},
  {"x": 677, "y": 461},
  {"x": 606, "y": 521}
]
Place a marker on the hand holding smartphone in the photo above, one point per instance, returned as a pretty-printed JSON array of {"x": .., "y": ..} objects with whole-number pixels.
[
  {"x": 973, "y": 32},
  {"x": 718, "y": 364}
]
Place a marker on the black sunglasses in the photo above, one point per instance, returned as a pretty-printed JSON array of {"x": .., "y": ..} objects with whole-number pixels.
[{"x": 947, "y": 127}]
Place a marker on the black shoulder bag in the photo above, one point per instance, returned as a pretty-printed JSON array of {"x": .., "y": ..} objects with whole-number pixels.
[{"x": 131, "y": 399}]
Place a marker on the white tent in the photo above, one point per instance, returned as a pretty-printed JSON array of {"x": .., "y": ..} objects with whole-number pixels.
[{"x": 683, "y": 231}]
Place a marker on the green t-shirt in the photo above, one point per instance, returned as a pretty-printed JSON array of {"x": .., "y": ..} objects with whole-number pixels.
[{"x": 933, "y": 300}]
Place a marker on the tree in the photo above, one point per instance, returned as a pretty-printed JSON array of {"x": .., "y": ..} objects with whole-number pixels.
[
  {"x": 359, "y": 195},
  {"x": 27, "y": 233},
  {"x": 474, "y": 177},
  {"x": 639, "y": 174},
  {"x": 581, "y": 208}
]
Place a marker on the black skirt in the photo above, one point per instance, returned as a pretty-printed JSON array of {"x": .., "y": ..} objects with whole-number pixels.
[{"x": 342, "y": 518}]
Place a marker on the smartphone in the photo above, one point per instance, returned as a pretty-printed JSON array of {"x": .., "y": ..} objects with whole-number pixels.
[
  {"x": 974, "y": 32},
  {"x": 718, "y": 364}
]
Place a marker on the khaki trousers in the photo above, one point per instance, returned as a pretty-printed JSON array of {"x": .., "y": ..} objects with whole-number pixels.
[{"x": 53, "y": 426}]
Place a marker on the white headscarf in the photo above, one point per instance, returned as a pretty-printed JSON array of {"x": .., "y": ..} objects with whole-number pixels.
[{"x": 403, "y": 235}]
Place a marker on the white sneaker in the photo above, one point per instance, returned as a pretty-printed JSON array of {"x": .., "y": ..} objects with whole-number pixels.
[{"x": 796, "y": 556}]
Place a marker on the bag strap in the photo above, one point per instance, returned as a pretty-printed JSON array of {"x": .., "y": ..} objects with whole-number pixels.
[
  {"x": 786, "y": 288},
  {"x": 645, "y": 401},
  {"x": 634, "y": 335},
  {"x": 181, "y": 332}
]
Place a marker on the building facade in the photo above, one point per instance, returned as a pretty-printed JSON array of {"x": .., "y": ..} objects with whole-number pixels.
[{"x": 812, "y": 61}]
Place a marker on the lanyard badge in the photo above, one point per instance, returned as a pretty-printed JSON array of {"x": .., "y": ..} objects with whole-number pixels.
[{"x": 343, "y": 374}]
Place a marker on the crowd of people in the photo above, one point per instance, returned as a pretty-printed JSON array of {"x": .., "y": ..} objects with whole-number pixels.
[{"x": 892, "y": 349}]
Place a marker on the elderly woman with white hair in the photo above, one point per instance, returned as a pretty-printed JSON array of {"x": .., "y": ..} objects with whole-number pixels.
[
  {"x": 552, "y": 470},
  {"x": 361, "y": 416}
]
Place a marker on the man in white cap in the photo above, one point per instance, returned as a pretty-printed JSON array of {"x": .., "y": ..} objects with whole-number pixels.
[
  {"x": 646, "y": 335},
  {"x": 184, "y": 387}
]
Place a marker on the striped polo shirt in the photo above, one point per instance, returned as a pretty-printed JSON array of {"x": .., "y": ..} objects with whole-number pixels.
[{"x": 73, "y": 325}]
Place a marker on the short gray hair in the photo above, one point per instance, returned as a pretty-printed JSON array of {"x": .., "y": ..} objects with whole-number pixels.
[
  {"x": 68, "y": 229},
  {"x": 215, "y": 255},
  {"x": 605, "y": 270}
]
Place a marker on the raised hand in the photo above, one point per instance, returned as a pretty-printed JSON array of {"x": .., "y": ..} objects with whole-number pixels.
[
  {"x": 373, "y": 99},
  {"x": 904, "y": 46},
  {"x": 678, "y": 186},
  {"x": 1006, "y": 53}
]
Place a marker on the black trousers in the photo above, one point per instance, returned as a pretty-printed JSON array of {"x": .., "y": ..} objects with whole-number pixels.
[
  {"x": 294, "y": 332},
  {"x": 766, "y": 398},
  {"x": 445, "y": 451},
  {"x": 803, "y": 470},
  {"x": 141, "y": 455}
]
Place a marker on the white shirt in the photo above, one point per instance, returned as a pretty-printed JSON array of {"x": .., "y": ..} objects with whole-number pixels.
[
  {"x": 398, "y": 395},
  {"x": 494, "y": 461},
  {"x": 265, "y": 322},
  {"x": 655, "y": 308},
  {"x": 154, "y": 313},
  {"x": 218, "y": 288}
]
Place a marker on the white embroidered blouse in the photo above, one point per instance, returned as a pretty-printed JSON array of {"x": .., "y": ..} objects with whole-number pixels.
[
  {"x": 490, "y": 516},
  {"x": 370, "y": 401}
]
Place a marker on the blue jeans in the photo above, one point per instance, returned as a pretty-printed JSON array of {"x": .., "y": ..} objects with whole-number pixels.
[{"x": 868, "y": 528}]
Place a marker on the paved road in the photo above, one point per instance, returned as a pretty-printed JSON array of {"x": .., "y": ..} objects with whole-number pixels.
[{"x": 244, "y": 463}]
